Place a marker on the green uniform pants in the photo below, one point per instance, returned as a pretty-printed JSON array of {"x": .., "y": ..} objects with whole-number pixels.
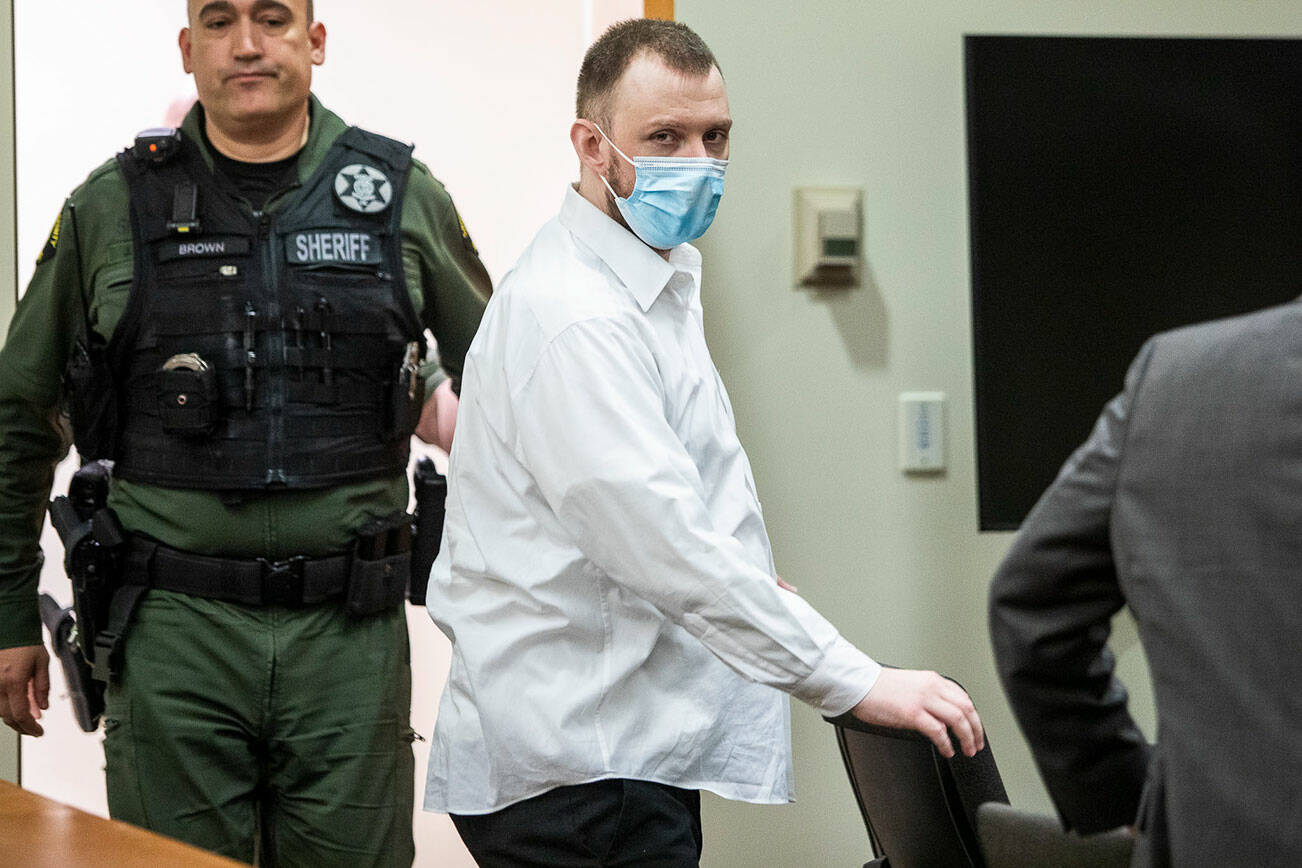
[{"x": 269, "y": 731}]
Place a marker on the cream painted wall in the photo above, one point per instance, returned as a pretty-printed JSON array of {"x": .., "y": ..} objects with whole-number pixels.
[
  {"x": 870, "y": 94},
  {"x": 8, "y": 281}
]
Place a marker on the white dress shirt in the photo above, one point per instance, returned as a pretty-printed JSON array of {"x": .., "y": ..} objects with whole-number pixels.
[{"x": 605, "y": 575}]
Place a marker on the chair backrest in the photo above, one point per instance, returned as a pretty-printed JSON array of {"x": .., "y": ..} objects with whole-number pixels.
[
  {"x": 1015, "y": 839},
  {"x": 918, "y": 806}
]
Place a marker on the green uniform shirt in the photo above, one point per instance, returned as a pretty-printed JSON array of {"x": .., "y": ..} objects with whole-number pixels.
[{"x": 92, "y": 264}]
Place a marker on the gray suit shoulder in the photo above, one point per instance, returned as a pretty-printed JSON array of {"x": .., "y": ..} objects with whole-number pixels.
[{"x": 1244, "y": 334}]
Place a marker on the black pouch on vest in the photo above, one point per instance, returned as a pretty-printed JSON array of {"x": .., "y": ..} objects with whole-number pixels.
[
  {"x": 381, "y": 566},
  {"x": 92, "y": 400},
  {"x": 188, "y": 396},
  {"x": 408, "y": 397}
]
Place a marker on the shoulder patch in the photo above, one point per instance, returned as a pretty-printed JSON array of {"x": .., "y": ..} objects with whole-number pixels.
[
  {"x": 51, "y": 243},
  {"x": 465, "y": 233}
]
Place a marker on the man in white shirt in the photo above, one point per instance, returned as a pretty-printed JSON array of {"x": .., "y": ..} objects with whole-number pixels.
[{"x": 617, "y": 623}]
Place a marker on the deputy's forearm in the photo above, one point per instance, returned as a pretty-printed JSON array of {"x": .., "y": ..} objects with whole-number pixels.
[{"x": 28, "y": 450}]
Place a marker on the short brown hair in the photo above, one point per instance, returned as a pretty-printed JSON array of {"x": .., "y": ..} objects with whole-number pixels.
[{"x": 672, "y": 41}]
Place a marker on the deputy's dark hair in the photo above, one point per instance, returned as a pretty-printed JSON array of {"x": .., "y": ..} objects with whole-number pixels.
[{"x": 672, "y": 41}]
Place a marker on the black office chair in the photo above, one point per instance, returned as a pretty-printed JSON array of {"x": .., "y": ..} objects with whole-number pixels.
[
  {"x": 919, "y": 807},
  {"x": 921, "y": 810},
  {"x": 1016, "y": 839}
]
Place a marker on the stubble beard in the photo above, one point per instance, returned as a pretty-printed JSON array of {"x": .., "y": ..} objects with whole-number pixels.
[{"x": 612, "y": 207}]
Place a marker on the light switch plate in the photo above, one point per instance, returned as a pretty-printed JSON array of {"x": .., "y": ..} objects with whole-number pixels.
[{"x": 922, "y": 432}]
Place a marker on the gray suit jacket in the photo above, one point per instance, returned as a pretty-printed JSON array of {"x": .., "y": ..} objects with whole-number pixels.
[{"x": 1185, "y": 504}]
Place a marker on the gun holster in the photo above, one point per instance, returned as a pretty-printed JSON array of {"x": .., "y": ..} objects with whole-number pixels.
[
  {"x": 87, "y": 694},
  {"x": 94, "y": 548},
  {"x": 431, "y": 506},
  {"x": 377, "y": 578}
]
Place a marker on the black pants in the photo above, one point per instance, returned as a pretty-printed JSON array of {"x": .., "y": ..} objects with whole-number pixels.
[{"x": 598, "y": 825}]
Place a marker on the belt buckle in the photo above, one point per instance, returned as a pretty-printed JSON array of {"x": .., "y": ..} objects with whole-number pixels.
[{"x": 282, "y": 581}]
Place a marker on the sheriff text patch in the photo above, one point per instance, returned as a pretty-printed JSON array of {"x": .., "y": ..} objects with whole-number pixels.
[{"x": 318, "y": 246}]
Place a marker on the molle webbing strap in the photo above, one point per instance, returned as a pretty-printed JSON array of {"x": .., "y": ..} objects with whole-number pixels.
[{"x": 252, "y": 581}]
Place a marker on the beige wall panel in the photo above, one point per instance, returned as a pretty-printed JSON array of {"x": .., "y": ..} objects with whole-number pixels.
[{"x": 870, "y": 94}]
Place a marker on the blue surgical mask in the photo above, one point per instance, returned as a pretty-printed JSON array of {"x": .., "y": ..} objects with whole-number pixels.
[{"x": 673, "y": 199}]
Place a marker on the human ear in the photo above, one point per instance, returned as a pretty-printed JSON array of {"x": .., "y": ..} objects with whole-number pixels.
[
  {"x": 587, "y": 146},
  {"x": 316, "y": 34}
]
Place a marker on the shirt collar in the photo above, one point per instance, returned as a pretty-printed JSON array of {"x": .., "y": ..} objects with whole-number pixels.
[
  {"x": 636, "y": 265},
  {"x": 324, "y": 127}
]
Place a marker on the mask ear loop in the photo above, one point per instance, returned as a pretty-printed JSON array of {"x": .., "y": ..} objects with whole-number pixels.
[
  {"x": 618, "y": 198},
  {"x": 612, "y": 144}
]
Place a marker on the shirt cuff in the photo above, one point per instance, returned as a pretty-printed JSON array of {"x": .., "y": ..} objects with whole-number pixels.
[
  {"x": 434, "y": 376},
  {"x": 841, "y": 680},
  {"x": 20, "y": 621}
]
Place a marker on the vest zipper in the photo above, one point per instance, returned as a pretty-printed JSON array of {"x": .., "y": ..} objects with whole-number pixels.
[
  {"x": 275, "y": 351},
  {"x": 250, "y": 353}
]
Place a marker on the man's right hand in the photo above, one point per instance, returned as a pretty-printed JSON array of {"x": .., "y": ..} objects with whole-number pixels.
[
  {"x": 24, "y": 687},
  {"x": 926, "y": 702}
]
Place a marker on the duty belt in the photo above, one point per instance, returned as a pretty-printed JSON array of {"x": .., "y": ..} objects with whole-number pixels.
[
  {"x": 370, "y": 578},
  {"x": 253, "y": 581}
]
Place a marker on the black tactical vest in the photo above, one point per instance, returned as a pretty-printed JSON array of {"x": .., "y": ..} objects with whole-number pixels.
[{"x": 260, "y": 350}]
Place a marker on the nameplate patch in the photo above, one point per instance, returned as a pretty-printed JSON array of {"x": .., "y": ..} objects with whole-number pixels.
[
  {"x": 324, "y": 246},
  {"x": 203, "y": 248}
]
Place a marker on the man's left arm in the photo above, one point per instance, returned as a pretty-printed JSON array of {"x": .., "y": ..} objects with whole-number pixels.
[
  {"x": 441, "y": 261},
  {"x": 1051, "y": 605}
]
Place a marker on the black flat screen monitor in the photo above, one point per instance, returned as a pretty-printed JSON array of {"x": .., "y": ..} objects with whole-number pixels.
[{"x": 1118, "y": 187}]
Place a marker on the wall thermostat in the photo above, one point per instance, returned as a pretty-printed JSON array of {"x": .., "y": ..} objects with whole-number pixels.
[{"x": 828, "y": 235}]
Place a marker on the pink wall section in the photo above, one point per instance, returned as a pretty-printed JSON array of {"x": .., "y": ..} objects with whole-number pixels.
[{"x": 607, "y": 12}]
